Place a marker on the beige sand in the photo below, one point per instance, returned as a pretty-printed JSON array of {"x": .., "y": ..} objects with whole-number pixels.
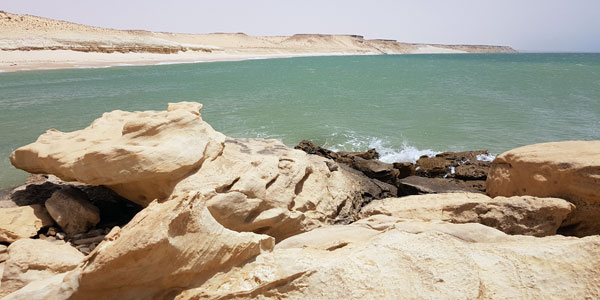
[{"x": 28, "y": 43}]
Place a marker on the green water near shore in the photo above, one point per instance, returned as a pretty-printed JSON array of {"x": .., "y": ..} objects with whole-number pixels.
[{"x": 403, "y": 105}]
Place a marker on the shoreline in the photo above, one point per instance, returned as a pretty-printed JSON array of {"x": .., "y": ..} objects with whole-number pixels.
[
  {"x": 37, "y": 43},
  {"x": 19, "y": 61}
]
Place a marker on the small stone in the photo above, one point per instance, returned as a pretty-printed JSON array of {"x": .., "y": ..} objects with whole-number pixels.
[
  {"x": 51, "y": 231},
  {"x": 90, "y": 240},
  {"x": 83, "y": 249},
  {"x": 72, "y": 210},
  {"x": 61, "y": 235},
  {"x": 92, "y": 233}
]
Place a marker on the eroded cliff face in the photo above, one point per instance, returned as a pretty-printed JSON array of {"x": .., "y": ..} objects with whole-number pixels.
[
  {"x": 228, "y": 218},
  {"x": 30, "y": 33}
]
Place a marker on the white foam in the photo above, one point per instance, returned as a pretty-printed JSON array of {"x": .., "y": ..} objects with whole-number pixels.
[
  {"x": 486, "y": 157},
  {"x": 387, "y": 153},
  {"x": 406, "y": 154}
]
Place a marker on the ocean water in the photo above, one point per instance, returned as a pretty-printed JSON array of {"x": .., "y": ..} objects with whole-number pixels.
[{"x": 405, "y": 106}]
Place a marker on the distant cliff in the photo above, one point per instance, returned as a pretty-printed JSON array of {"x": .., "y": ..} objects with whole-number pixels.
[{"x": 30, "y": 33}]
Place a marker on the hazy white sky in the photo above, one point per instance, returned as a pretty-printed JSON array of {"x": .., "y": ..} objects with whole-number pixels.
[{"x": 540, "y": 25}]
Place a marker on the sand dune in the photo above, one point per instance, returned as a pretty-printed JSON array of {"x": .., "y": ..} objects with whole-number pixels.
[{"x": 30, "y": 42}]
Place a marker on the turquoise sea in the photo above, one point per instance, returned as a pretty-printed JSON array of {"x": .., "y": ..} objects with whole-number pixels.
[{"x": 402, "y": 105}]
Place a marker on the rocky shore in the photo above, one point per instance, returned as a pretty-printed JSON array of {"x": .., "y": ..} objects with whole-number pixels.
[{"x": 159, "y": 205}]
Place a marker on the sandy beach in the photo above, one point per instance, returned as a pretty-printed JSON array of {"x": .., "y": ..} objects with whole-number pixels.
[{"x": 33, "y": 43}]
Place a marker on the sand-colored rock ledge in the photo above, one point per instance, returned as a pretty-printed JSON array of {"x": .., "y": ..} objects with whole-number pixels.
[
  {"x": 515, "y": 215},
  {"x": 32, "y": 260},
  {"x": 22, "y": 222},
  {"x": 388, "y": 258},
  {"x": 567, "y": 170}
]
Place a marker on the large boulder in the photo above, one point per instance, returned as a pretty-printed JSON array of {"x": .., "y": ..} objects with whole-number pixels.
[
  {"x": 249, "y": 184},
  {"x": 387, "y": 258},
  {"x": 168, "y": 246},
  {"x": 515, "y": 215},
  {"x": 72, "y": 210},
  {"x": 22, "y": 222},
  {"x": 141, "y": 155},
  {"x": 32, "y": 260},
  {"x": 568, "y": 170}
]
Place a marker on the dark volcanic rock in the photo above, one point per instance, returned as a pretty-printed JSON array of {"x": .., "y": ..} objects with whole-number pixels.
[
  {"x": 72, "y": 211},
  {"x": 461, "y": 165},
  {"x": 422, "y": 185},
  {"x": 433, "y": 167},
  {"x": 341, "y": 157},
  {"x": 36, "y": 190},
  {"x": 114, "y": 209},
  {"x": 446, "y": 172},
  {"x": 366, "y": 162}
]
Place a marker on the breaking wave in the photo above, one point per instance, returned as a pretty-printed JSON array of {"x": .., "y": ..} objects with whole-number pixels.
[{"x": 387, "y": 153}]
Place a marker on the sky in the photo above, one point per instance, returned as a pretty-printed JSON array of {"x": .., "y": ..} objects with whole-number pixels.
[{"x": 526, "y": 25}]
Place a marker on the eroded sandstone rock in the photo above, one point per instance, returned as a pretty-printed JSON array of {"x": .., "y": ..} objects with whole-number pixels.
[
  {"x": 524, "y": 215},
  {"x": 567, "y": 170},
  {"x": 22, "y": 222},
  {"x": 388, "y": 258},
  {"x": 31, "y": 260},
  {"x": 72, "y": 210},
  {"x": 249, "y": 184},
  {"x": 140, "y": 155},
  {"x": 166, "y": 247}
]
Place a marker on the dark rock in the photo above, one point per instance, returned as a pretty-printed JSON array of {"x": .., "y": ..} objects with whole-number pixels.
[
  {"x": 340, "y": 157},
  {"x": 36, "y": 190},
  {"x": 114, "y": 209},
  {"x": 376, "y": 169},
  {"x": 405, "y": 168},
  {"x": 461, "y": 165},
  {"x": 366, "y": 162},
  {"x": 433, "y": 167},
  {"x": 72, "y": 210},
  {"x": 414, "y": 185},
  {"x": 470, "y": 171},
  {"x": 310, "y": 148}
]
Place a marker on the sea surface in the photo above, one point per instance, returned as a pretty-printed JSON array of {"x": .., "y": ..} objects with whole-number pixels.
[{"x": 405, "y": 106}]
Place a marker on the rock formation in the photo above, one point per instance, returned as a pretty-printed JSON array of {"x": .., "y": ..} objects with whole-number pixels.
[
  {"x": 566, "y": 170},
  {"x": 249, "y": 184},
  {"x": 31, "y": 260},
  {"x": 446, "y": 172},
  {"x": 22, "y": 222},
  {"x": 389, "y": 258},
  {"x": 515, "y": 215},
  {"x": 72, "y": 210},
  {"x": 229, "y": 218}
]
